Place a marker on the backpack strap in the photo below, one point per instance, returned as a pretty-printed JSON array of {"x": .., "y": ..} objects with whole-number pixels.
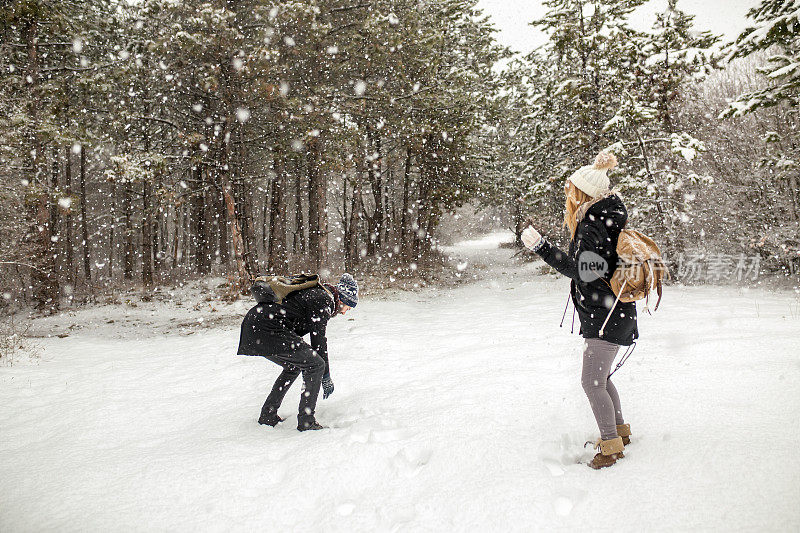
[
  {"x": 658, "y": 291},
  {"x": 621, "y": 290},
  {"x": 650, "y": 288}
]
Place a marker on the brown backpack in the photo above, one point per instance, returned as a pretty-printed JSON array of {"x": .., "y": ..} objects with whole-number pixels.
[
  {"x": 640, "y": 268},
  {"x": 271, "y": 288},
  {"x": 639, "y": 271}
]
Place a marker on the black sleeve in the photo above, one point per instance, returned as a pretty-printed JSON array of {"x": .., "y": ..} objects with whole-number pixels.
[
  {"x": 319, "y": 312},
  {"x": 557, "y": 259},
  {"x": 319, "y": 343},
  {"x": 593, "y": 238}
]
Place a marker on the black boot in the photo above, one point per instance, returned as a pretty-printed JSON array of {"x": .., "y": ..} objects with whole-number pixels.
[
  {"x": 308, "y": 424},
  {"x": 269, "y": 417}
]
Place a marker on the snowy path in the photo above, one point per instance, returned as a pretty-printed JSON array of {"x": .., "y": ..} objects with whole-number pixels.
[{"x": 456, "y": 409}]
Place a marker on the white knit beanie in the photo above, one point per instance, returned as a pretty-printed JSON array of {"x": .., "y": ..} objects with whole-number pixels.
[{"x": 593, "y": 179}]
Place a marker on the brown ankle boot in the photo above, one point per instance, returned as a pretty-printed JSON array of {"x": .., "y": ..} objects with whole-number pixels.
[
  {"x": 610, "y": 451},
  {"x": 624, "y": 431}
]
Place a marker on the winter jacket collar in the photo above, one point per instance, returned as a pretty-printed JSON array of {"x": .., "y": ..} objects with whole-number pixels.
[
  {"x": 333, "y": 292},
  {"x": 606, "y": 205}
]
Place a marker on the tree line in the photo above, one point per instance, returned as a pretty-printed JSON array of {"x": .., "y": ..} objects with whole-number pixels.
[
  {"x": 145, "y": 142},
  {"x": 155, "y": 139}
]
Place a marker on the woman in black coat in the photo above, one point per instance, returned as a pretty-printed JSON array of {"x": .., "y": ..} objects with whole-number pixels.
[{"x": 595, "y": 217}]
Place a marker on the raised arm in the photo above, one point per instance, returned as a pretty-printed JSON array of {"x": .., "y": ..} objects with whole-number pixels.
[{"x": 593, "y": 239}]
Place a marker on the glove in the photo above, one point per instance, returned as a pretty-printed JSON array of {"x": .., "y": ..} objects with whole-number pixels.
[
  {"x": 531, "y": 238},
  {"x": 327, "y": 387}
]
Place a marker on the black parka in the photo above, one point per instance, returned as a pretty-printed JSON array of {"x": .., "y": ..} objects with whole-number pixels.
[
  {"x": 272, "y": 328},
  {"x": 597, "y": 232}
]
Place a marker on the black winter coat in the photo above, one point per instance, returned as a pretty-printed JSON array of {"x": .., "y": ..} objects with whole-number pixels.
[
  {"x": 272, "y": 328},
  {"x": 597, "y": 232}
]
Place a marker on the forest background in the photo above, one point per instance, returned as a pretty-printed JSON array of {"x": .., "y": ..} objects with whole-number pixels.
[{"x": 148, "y": 143}]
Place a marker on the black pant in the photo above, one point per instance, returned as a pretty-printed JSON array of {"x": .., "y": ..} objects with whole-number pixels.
[{"x": 299, "y": 358}]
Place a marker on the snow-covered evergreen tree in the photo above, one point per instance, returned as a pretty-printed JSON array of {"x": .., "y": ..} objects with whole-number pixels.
[{"x": 776, "y": 30}]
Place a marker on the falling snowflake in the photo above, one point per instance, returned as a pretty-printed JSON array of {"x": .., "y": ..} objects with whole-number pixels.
[
  {"x": 242, "y": 114},
  {"x": 360, "y": 87}
]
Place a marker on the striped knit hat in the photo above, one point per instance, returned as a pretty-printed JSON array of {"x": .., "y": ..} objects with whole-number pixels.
[{"x": 348, "y": 290}]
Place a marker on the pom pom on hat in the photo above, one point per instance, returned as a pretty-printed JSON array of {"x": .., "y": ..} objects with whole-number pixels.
[
  {"x": 605, "y": 161},
  {"x": 593, "y": 179}
]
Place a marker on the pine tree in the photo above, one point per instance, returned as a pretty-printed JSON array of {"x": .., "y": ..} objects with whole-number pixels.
[
  {"x": 666, "y": 62},
  {"x": 776, "y": 29}
]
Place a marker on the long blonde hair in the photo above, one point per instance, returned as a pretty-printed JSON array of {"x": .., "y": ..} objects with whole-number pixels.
[
  {"x": 575, "y": 198},
  {"x": 604, "y": 161}
]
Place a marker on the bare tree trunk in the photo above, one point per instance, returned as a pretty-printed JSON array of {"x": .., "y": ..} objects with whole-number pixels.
[
  {"x": 376, "y": 183},
  {"x": 300, "y": 243},
  {"x": 147, "y": 234},
  {"x": 37, "y": 241},
  {"x": 202, "y": 262},
  {"x": 54, "y": 224},
  {"x": 188, "y": 237},
  {"x": 67, "y": 235},
  {"x": 222, "y": 221},
  {"x": 176, "y": 240},
  {"x": 344, "y": 215},
  {"x": 159, "y": 227},
  {"x": 147, "y": 223},
  {"x": 317, "y": 209},
  {"x": 112, "y": 231},
  {"x": 388, "y": 222},
  {"x": 430, "y": 229},
  {"x": 87, "y": 268},
  {"x": 243, "y": 274},
  {"x": 265, "y": 219},
  {"x": 422, "y": 239},
  {"x": 128, "y": 251},
  {"x": 276, "y": 253},
  {"x": 351, "y": 239},
  {"x": 243, "y": 216},
  {"x": 405, "y": 241}
]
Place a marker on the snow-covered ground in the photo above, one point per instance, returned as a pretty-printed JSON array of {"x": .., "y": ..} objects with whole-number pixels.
[{"x": 455, "y": 409}]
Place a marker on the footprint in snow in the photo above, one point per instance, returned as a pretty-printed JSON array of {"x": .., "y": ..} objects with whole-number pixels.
[
  {"x": 382, "y": 436},
  {"x": 558, "y": 455},
  {"x": 409, "y": 461},
  {"x": 566, "y": 500}
]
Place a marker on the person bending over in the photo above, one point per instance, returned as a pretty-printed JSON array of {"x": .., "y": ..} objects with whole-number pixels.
[{"x": 274, "y": 329}]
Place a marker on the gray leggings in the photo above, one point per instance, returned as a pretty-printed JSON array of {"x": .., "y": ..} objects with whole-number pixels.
[{"x": 597, "y": 360}]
